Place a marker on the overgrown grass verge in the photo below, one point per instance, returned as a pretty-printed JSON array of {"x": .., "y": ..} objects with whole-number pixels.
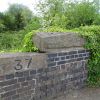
[{"x": 11, "y": 41}]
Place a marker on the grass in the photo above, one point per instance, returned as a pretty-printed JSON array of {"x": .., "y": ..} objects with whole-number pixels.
[{"x": 10, "y": 41}]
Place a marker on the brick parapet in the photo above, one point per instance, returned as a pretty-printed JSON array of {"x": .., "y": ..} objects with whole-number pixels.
[{"x": 62, "y": 72}]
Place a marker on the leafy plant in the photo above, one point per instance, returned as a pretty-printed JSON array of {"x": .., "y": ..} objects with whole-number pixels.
[
  {"x": 28, "y": 45},
  {"x": 92, "y": 36},
  {"x": 11, "y": 40}
]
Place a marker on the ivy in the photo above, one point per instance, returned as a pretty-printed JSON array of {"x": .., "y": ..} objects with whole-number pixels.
[{"x": 92, "y": 37}]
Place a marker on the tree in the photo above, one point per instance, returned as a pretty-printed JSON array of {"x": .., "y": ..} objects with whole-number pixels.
[
  {"x": 80, "y": 14},
  {"x": 97, "y": 4},
  {"x": 2, "y": 27},
  {"x": 69, "y": 14},
  {"x": 34, "y": 24},
  {"x": 52, "y": 12},
  {"x": 19, "y": 21},
  {"x": 17, "y": 17}
]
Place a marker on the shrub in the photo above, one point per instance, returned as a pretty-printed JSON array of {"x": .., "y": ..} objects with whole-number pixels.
[
  {"x": 10, "y": 41},
  {"x": 80, "y": 14},
  {"x": 92, "y": 36},
  {"x": 27, "y": 44},
  {"x": 97, "y": 20},
  {"x": 2, "y": 27}
]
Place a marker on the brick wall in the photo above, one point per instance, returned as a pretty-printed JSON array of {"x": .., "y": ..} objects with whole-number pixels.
[{"x": 63, "y": 71}]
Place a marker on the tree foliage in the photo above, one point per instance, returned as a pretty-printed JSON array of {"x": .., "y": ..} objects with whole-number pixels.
[
  {"x": 80, "y": 14},
  {"x": 68, "y": 14},
  {"x": 52, "y": 12},
  {"x": 17, "y": 17},
  {"x": 2, "y": 27}
]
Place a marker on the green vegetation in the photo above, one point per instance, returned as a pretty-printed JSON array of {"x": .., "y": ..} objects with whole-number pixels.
[
  {"x": 10, "y": 41},
  {"x": 28, "y": 45},
  {"x": 69, "y": 15},
  {"x": 18, "y": 20},
  {"x": 15, "y": 23},
  {"x": 18, "y": 25},
  {"x": 16, "y": 17},
  {"x": 92, "y": 36}
]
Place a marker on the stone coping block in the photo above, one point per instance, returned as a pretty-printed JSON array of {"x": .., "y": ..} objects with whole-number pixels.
[
  {"x": 57, "y": 40},
  {"x": 13, "y": 62}
]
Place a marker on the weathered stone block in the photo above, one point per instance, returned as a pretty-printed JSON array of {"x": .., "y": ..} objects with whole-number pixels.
[
  {"x": 8, "y": 94},
  {"x": 11, "y": 63},
  {"x": 32, "y": 72},
  {"x": 11, "y": 87},
  {"x": 8, "y": 82},
  {"x": 49, "y": 41},
  {"x": 11, "y": 76}
]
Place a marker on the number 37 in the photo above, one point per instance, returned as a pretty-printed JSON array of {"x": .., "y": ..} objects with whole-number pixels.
[{"x": 19, "y": 66}]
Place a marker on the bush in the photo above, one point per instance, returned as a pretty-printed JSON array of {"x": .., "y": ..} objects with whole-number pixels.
[
  {"x": 11, "y": 41},
  {"x": 97, "y": 20},
  {"x": 92, "y": 36},
  {"x": 80, "y": 14},
  {"x": 27, "y": 44},
  {"x": 68, "y": 15},
  {"x": 2, "y": 27}
]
